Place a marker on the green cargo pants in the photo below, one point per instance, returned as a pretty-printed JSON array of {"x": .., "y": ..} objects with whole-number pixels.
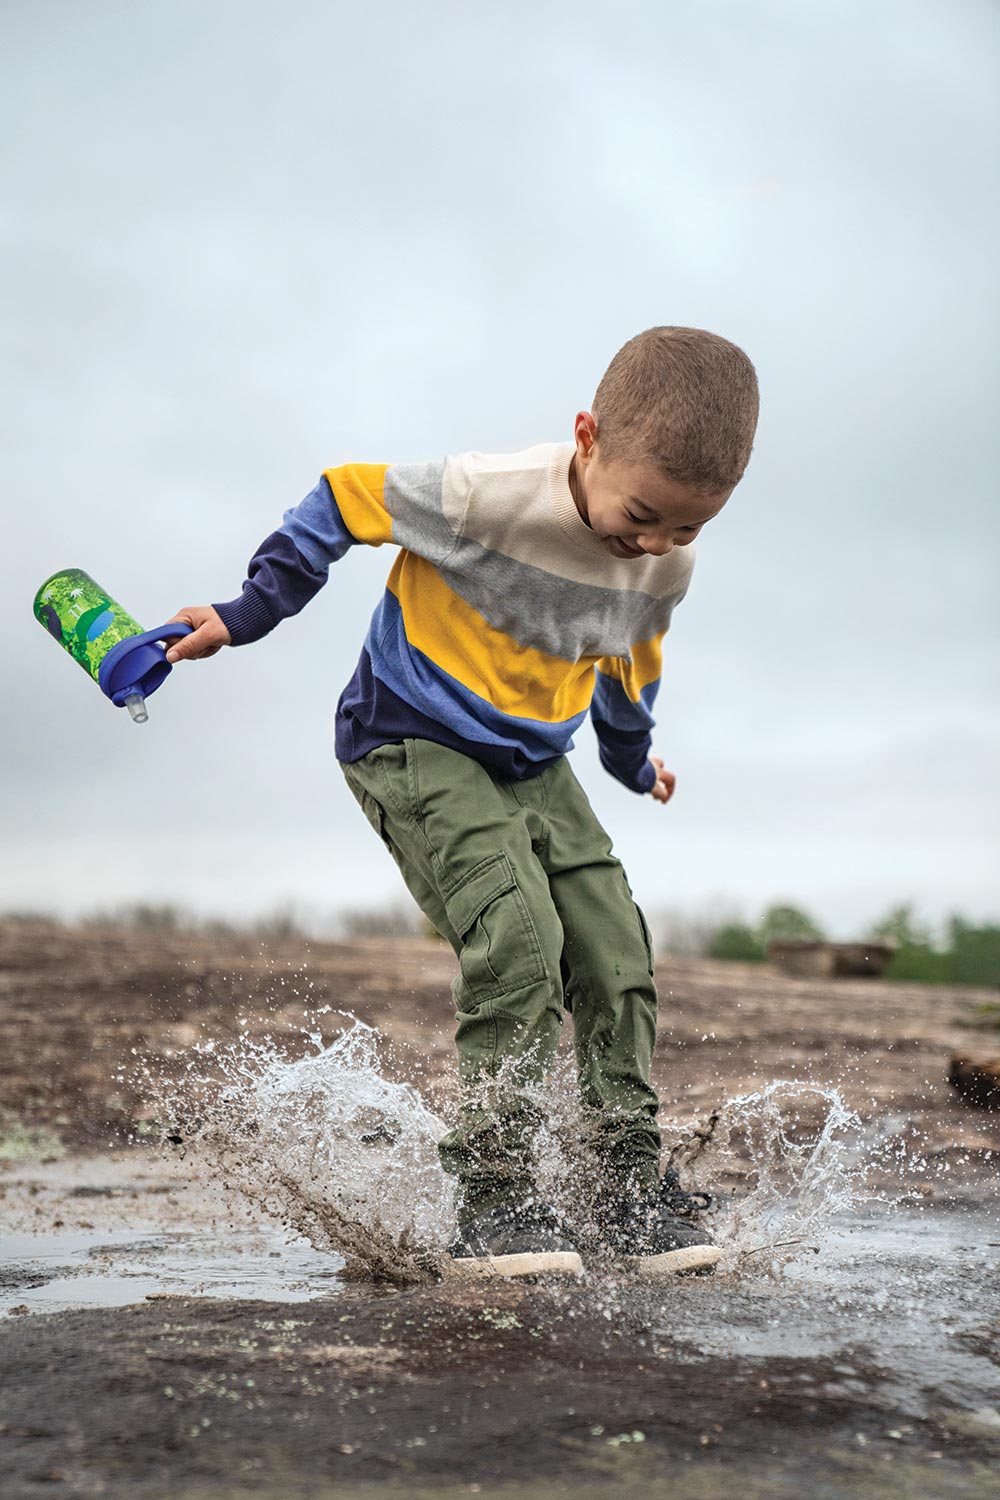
[{"x": 520, "y": 879}]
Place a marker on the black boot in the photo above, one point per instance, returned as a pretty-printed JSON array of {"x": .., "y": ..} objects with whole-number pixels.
[
  {"x": 524, "y": 1239},
  {"x": 656, "y": 1233}
]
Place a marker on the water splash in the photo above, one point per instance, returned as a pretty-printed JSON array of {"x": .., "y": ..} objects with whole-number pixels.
[
  {"x": 794, "y": 1157},
  {"x": 327, "y": 1143},
  {"x": 347, "y": 1157}
]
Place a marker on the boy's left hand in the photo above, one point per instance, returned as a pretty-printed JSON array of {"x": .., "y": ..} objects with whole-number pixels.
[{"x": 663, "y": 787}]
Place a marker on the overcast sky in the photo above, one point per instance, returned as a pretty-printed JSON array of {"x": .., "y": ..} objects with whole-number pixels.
[{"x": 244, "y": 241}]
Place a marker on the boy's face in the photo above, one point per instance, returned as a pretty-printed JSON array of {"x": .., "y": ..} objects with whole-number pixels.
[{"x": 633, "y": 507}]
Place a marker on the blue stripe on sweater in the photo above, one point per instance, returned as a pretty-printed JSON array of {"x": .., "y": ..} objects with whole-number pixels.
[
  {"x": 611, "y": 702},
  {"x": 412, "y": 678},
  {"x": 623, "y": 731},
  {"x": 370, "y": 714},
  {"x": 317, "y": 527}
]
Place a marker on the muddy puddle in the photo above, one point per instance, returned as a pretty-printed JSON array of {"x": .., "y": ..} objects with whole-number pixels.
[
  {"x": 912, "y": 1294},
  {"x": 51, "y": 1273},
  {"x": 110, "y": 1232}
]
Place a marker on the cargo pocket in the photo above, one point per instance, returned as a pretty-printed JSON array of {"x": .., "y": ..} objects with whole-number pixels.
[
  {"x": 500, "y": 947},
  {"x": 647, "y": 937},
  {"x": 369, "y": 806}
]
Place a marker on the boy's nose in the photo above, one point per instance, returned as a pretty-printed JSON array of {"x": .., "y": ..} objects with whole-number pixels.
[{"x": 655, "y": 546}]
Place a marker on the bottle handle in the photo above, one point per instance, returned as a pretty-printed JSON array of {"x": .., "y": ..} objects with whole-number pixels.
[
  {"x": 139, "y": 661},
  {"x": 161, "y": 633}
]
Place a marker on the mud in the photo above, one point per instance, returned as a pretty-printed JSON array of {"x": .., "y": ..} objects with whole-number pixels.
[{"x": 160, "y": 1337}]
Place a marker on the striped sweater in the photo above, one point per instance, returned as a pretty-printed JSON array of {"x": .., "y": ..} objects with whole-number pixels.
[{"x": 504, "y": 618}]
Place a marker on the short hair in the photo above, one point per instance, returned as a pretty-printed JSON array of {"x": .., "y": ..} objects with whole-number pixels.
[{"x": 683, "y": 399}]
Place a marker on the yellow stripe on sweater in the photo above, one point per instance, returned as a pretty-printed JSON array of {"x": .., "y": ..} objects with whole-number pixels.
[
  {"x": 518, "y": 680},
  {"x": 644, "y": 668},
  {"x": 359, "y": 492}
]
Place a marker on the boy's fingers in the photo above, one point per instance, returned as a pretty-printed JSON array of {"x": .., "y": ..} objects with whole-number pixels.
[
  {"x": 663, "y": 787},
  {"x": 190, "y": 647},
  {"x": 208, "y": 634}
]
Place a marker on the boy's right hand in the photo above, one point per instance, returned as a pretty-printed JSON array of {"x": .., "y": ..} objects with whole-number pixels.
[{"x": 208, "y": 634}]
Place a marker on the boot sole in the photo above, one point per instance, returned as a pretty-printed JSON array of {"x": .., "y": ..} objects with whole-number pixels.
[
  {"x": 692, "y": 1260},
  {"x": 512, "y": 1267}
]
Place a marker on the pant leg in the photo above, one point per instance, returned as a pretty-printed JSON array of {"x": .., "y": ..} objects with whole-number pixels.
[
  {"x": 466, "y": 849},
  {"x": 608, "y": 970}
]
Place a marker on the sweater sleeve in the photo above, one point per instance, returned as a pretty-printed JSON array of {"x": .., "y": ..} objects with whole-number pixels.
[
  {"x": 292, "y": 564},
  {"x": 622, "y": 714}
]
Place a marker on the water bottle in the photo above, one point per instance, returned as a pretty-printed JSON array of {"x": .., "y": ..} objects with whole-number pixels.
[{"x": 127, "y": 662}]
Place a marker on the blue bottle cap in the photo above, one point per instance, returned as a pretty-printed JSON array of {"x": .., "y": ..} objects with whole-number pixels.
[{"x": 138, "y": 664}]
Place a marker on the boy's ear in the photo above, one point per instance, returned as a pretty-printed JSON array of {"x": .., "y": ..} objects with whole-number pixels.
[{"x": 585, "y": 432}]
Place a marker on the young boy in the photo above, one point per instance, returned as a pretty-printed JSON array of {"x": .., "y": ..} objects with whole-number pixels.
[{"x": 529, "y": 588}]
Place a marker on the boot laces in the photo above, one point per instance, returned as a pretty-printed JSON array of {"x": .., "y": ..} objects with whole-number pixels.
[{"x": 678, "y": 1200}]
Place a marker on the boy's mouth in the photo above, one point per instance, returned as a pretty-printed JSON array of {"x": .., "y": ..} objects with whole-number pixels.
[{"x": 621, "y": 548}]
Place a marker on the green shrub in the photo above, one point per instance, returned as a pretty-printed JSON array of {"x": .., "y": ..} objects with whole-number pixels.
[
  {"x": 787, "y": 924},
  {"x": 974, "y": 954},
  {"x": 971, "y": 957},
  {"x": 736, "y": 941},
  {"x": 920, "y": 964},
  {"x": 900, "y": 926}
]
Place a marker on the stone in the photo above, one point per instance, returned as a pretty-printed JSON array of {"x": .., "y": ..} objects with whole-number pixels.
[{"x": 977, "y": 1079}]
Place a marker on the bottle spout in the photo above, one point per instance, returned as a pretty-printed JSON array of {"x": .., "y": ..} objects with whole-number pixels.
[{"x": 136, "y": 705}]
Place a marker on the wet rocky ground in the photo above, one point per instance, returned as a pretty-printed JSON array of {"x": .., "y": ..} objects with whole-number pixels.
[{"x": 159, "y": 1338}]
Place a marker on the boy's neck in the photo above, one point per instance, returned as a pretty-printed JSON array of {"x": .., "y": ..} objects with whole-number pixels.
[{"x": 576, "y": 491}]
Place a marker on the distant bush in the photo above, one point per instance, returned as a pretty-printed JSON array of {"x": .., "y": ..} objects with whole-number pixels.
[
  {"x": 30, "y": 919},
  {"x": 284, "y": 924},
  {"x": 219, "y": 927},
  {"x": 920, "y": 964},
  {"x": 899, "y": 926},
  {"x": 970, "y": 955},
  {"x": 723, "y": 933},
  {"x": 963, "y": 955},
  {"x": 736, "y": 941},
  {"x": 687, "y": 935},
  {"x": 974, "y": 953},
  {"x": 280, "y": 925},
  {"x": 787, "y": 924},
  {"x": 141, "y": 916},
  {"x": 397, "y": 920}
]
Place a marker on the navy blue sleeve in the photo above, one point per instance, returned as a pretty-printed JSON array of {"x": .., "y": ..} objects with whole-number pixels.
[
  {"x": 289, "y": 567},
  {"x": 625, "y": 755},
  {"x": 279, "y": 583},
  {"x": 624, "y": 731}
]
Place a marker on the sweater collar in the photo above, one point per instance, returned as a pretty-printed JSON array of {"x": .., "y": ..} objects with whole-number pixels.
[{"x": 571, "y": 523}]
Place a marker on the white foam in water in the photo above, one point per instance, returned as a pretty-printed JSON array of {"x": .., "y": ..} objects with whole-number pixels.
[
  {"x": 342, "y": 1154},
  {"x": 796, "y": 1152},
  {"x": 348, "y": 1158}
]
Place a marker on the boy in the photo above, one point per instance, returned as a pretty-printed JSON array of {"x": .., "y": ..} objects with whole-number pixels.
[{"x": 529, "y": 589}]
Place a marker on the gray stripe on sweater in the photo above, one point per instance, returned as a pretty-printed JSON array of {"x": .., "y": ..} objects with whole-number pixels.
[
  {"x": 537, "y": 608},
  {"x": 548, "y": 613},
  {"x": 412, "y": 497}
]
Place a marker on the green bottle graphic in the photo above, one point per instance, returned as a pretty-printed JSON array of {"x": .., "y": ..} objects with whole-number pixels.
[{"x": 111, "y": 646}]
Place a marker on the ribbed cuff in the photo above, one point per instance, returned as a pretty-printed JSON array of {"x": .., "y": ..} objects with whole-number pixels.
[
  {"x": 246, "y": 618},
  {"x": 646, "y": 779},
  {"x": 625, "y": 756}
]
